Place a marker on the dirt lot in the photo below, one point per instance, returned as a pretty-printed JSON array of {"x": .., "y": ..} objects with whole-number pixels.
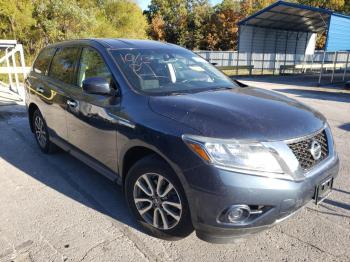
[{"x": 54, "y": 208}]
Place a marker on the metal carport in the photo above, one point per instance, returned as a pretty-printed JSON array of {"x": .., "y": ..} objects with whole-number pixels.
[{"x": 290, "y": 28}]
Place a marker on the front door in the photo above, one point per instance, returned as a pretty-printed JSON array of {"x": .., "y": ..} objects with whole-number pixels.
[{"x": 90, "y": 125}]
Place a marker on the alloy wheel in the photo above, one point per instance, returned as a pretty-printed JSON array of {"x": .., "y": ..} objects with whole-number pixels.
[
  {"x": 40, "y": 131},
  {"x": 157, "y": 201}
]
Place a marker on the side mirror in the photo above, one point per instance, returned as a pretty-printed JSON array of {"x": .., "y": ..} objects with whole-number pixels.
[{"x": 96, "y": 86}]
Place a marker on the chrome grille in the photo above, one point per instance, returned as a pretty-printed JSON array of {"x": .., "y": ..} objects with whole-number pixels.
[{"x": 302, "y": 151}]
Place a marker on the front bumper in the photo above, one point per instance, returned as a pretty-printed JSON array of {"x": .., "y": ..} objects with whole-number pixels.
[{"x": 222, "y": 189}]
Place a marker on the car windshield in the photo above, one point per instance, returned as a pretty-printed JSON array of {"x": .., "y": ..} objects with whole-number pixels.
[{"x": 169, "y": 71}]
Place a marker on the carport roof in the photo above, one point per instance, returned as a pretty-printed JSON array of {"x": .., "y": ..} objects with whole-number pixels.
[{"x": 290, "y": 16}]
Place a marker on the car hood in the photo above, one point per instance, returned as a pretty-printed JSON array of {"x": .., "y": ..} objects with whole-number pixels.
[{"x": 240, "y": 113}]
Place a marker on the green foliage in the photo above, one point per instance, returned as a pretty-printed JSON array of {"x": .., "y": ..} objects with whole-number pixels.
[
  {"x": 127, "y": 17},
  {"x": 199, "y": 16},
  {"x": 229, "y": 5},
  {"x": 36, "y": 23},
  {"x": 336, "y": 5},
  {"x": 15, "y": 18},
  {"x": 175, "y": 14}
]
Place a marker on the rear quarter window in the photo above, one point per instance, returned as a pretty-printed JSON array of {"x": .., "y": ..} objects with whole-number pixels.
[
  {"x": 63, "y": 64},
  {"x": 42, "y": 63}
]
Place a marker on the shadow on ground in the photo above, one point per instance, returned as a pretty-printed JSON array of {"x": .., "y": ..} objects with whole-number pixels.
[
  {"x": 341, "y": 191},
  {"x": 62, "y": 172},
  {"x": 337, "y": 204},
  {"x": 345, "y": 127}
]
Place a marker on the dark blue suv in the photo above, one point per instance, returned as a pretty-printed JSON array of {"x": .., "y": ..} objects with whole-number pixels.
[{"x": 191, "y": 148}]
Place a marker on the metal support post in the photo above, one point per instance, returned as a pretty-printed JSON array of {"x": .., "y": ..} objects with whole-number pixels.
[
  {"x": 230, "y": 58},
  {"x": 24, "y": 72},
  {"x": 13, "y": 57},
  {"x": 320, "y": 77},
  {"x": 237, "y": 64},
  {"x": 285, "y": 53},
  {"x": 346, "y": 66},
  {"x": 251, "y": 51},
  {"x": 8, "y": 66},
  {"x": 238, "y": 49},
  {"x": 263, "y": 58},
  {"x": 312, "y": 63},
  {"x": 275, "y": 50},
  {"x": 334, "y": 66},
  {"x": 295, "y": 51},
  {"x": 305, "y": 56}
]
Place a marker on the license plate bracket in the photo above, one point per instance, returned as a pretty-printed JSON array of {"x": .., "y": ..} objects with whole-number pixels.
[{"x": 323, "y": 190}]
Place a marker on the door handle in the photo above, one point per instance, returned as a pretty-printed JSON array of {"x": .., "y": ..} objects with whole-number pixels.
[
  {"x": 40, "y": 89},
  {"x": 72, "y": 103}
]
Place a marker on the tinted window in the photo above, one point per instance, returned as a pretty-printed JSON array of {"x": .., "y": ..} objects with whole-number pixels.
[
  {"x": 92, "y": 65},
  {"x": 63, "y": 64},
  {"x": 42, "y": 63}
]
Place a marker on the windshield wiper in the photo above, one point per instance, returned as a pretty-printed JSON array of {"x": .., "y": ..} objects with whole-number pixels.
[
  {"x": 193, "y": 91},
  {"x": 217, "y": 89}
]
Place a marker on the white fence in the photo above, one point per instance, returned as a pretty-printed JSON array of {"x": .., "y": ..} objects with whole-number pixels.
[
  {"x": 327, "y": 66},
  {"x": 11, "y": 55}
]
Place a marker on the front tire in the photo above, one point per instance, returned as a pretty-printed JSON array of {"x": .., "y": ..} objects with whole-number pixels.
[
  {"x": 41, "y": 133},
  {"x": 157, "y": 200}
]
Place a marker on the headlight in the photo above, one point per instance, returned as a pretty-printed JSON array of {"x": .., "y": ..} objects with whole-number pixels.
[{"x": 234, "y": 154}]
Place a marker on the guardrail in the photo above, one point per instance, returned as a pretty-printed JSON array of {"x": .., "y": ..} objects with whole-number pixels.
[{"x": 13, "y": 54}]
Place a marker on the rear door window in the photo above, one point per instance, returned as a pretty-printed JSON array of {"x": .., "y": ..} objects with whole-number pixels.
[
  {"x": 42, "y": 63},
  {"x": 63, "y": 64}
]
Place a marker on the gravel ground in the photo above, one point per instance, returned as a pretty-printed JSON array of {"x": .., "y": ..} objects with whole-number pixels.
[{"x": 55, "y": 208}]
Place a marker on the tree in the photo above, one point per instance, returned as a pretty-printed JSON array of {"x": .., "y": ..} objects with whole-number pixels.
[
  {"x": 199, "y": 16},
  {"x": 180, "y": 21},
  {"x": 15, "y": 17},
  {"x": 62, "y": 19},
  {"x": 157, "y": 27},
  {"x": 36, "y": 23},
  {"x": 230, "y": 5},
  {"x": 175, "y": 16},
  {"x": 249, "y": 7},
  {"x": 16, "y": 20},
  {"x": 126, "y": 18},
  {"x": 223, "y": 28},
  {"x": 335, "y": 5}
]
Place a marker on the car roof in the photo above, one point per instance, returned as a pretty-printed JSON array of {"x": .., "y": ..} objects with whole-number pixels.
[{"x": 117, "y": 43}]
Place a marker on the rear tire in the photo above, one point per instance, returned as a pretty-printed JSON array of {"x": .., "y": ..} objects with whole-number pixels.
[
  {"x": 157, "y": 200},
  {"x": 41, "y": 134}
]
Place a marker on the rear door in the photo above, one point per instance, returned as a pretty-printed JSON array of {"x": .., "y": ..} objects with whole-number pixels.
[
  {"x": 36, "y": 82},
  {"x": 90, "y": 125},
  {"x": 60, "y": 79}
]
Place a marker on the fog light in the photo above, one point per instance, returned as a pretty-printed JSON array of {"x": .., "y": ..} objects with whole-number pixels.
[{"x": 238, "y": 213}]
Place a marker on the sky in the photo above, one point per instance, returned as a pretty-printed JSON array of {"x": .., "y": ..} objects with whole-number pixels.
[{"x": 144, "y": 3}]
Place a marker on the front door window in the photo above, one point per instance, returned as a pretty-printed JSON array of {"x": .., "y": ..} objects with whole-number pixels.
[{"x": 92, "y": 65}]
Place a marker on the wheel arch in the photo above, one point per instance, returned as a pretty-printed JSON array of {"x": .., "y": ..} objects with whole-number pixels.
[
  {"x": 137, "y": 152},
  {"x": 134, "y": 154}
]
